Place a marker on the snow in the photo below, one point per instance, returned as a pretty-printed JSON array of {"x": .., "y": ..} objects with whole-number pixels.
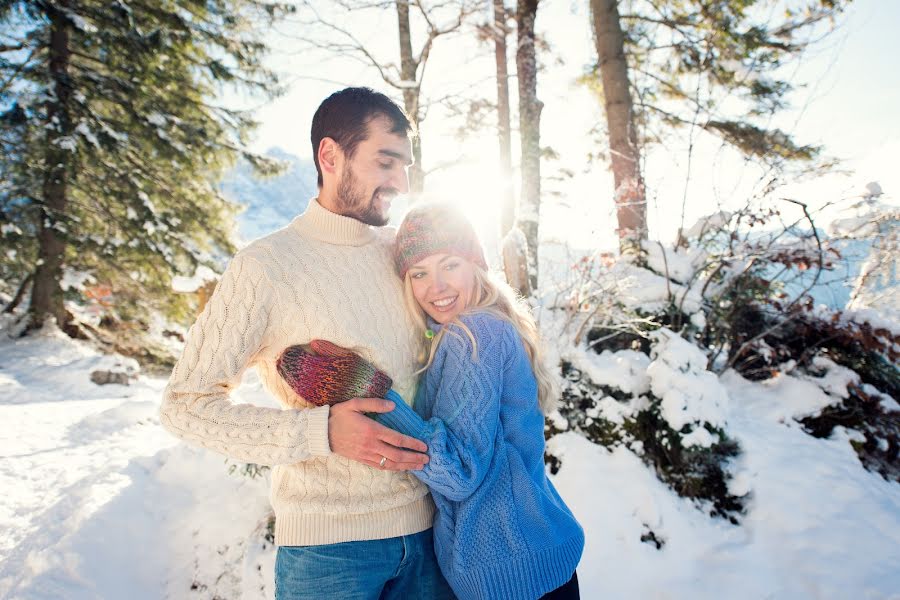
[
  {"x": 678, "y": 264},
  {"x": 710, "y": 223},
  {"x": 201, "y": 277},
  {"x": 100, "y": 502},
  {"x": 832, "y": 532},
  {"x": 691, "y": 395},
  {"x": 625, "y": 370},
  {"x": 640, "y": 289},
  {"x": 67, "y": 143},
  {"x": 76, "y": 280},
  {"x": 85, "y": 131}
]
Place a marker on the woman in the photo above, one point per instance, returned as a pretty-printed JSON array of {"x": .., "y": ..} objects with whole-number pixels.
[{"x": 501, "y": 530}]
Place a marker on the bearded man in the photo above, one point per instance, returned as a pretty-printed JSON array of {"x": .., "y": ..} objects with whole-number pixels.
[{"x": 350, "y": 521}]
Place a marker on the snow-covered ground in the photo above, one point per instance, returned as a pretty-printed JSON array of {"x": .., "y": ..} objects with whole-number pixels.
[{"x": 99, "y": 501}]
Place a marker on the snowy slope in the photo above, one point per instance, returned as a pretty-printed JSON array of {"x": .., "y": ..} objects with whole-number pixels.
[{"x": 100, "y": 502}]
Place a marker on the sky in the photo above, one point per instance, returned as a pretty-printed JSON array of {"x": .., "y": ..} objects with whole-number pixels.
[{"x": 848, "y": 91}]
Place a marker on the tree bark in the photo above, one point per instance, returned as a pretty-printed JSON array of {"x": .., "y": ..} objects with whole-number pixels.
[
  {"x": 46, "y": 292},
  {"x": 508, "y": 202},
  {"x": 408, "y": 69},
  {"x": 20, "y": 293},
  {"x": 630, "y": 198},
  {"x": 529, "y": 132}
]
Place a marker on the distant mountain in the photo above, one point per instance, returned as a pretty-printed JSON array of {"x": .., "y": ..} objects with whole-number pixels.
[{"x": 271, "y": 202}]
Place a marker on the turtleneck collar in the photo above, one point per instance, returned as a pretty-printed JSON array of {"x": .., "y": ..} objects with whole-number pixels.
[{"x": 323, "y": 225}]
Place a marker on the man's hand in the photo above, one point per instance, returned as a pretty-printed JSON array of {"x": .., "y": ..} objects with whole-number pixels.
[{"x": 355, "y": 436}]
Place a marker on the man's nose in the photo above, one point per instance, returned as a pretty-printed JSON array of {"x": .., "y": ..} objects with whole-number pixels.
[{"x": 400, "y": 181}]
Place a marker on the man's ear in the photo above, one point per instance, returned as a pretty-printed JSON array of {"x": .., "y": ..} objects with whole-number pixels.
[{"x": 330, "y": 156}]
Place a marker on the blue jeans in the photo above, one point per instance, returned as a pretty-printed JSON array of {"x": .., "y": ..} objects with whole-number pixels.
[{"x": 395, "y": 568}]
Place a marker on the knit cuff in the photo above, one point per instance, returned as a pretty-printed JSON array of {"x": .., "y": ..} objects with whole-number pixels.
[
  {"x": 317, "y": 431},
  {"x": 404, "y": 419}
]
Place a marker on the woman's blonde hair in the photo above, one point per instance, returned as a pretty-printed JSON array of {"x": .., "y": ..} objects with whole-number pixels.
[{"x": 493, "y": 296}]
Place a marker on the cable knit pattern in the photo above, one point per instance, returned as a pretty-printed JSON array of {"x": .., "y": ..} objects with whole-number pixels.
[
  {"x": 323, "y": 277},
  {"x": 502, "y": 531}
]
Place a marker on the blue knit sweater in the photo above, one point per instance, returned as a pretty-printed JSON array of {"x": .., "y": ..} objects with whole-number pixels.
[{"x": 501, "y": 531}]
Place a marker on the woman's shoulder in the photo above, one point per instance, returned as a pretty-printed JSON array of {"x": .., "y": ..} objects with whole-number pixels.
[
  {"x": 488, "y": 330},
  {"x": 484, "y": 322}
]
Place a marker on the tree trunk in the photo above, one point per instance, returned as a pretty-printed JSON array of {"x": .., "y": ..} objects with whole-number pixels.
[
  {"x": 630, "y": 199},
  {"x": 20, "y": 293},
  {"x": 529, "y": 132},
  {"x": 46, "y": 292},
  {"x": 514, "y": 252},
  {"x": 408, "y": 68},
  {"x": 508, "y": 202}
]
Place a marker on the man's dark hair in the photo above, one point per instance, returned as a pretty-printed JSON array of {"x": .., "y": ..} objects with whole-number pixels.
[{"x": 344, "y": 117}]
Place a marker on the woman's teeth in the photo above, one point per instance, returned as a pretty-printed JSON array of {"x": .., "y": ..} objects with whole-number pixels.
[{"x": 444, "y": 302}]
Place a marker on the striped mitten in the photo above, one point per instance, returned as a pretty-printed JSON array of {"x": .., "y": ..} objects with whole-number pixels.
[{"x": 322, "y": 373}]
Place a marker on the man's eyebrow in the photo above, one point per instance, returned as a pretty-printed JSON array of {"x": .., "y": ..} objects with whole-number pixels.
[{"x": 397, "y": 155}]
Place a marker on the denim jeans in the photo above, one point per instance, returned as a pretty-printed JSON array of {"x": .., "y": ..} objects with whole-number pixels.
[{"x": 393, "y": 569}]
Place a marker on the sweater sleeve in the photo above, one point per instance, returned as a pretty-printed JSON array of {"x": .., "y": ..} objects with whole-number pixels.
[
  {"x": 465, "y": 420},
  {"x": 220, "y": 346}
]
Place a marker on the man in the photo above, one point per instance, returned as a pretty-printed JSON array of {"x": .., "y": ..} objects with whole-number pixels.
[{"x": 351, "y": 522}]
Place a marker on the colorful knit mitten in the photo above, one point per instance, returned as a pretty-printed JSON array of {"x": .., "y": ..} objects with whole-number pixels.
[{"x": 322, "y": 373}]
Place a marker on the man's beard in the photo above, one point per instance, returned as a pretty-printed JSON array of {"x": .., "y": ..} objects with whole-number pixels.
[{"x": 353, "y": 202}]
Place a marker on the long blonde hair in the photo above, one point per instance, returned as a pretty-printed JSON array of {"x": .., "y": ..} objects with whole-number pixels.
[{"x": 494, "y": 296}]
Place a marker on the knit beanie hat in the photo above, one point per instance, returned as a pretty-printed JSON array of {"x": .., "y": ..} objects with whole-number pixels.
[
  {"x": 322, "y": 373},
  {"x": 435, "y": 228}
]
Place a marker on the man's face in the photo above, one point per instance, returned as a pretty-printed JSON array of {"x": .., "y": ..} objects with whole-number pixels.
[{"x": 376, "y": 173}]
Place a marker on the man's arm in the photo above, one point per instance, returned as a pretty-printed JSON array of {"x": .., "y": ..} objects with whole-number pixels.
[
  {"x": 356, "y": 436},
  {"x": 220, "y": 345}
]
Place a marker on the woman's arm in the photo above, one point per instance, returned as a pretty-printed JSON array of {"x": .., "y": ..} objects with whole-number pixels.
[{"x": 466, "y": 410}]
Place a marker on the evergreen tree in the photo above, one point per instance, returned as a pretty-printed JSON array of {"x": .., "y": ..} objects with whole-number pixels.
[
  {"x": 112, "y": 140},
  {"x": 715, "y": 65}
]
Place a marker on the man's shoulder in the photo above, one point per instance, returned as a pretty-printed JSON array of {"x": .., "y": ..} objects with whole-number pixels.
[{"x": 281, "y": 236}]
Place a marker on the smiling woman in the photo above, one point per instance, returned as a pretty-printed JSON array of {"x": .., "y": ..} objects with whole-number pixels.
[
  {"x": 442, "y": 284},
  {"x": 502, "y": 530}
]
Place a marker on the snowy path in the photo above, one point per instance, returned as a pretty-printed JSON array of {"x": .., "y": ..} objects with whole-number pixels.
[
  {"x": 100, "y": 502},
  {"x": 98, "y": 499}
]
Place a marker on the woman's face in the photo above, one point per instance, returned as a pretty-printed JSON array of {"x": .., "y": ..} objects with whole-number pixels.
[{"x": 443, "y": 285}]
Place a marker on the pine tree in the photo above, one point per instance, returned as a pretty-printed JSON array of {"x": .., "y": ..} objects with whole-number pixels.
[
  {"x": 112, "y": 140},
  {"x": 715, "y": 65}
]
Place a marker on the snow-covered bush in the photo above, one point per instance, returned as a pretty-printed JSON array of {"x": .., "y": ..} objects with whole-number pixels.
[
  {"x": 665, "y": 406},
  {"x": 650, "y": 334}
]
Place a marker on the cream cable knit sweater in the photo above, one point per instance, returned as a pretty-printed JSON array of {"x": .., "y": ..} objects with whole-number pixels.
[{"x": 323, "y": 276}]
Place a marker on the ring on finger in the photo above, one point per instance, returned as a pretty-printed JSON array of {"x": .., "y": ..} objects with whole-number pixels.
[{"x": 383, "y": 460}]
